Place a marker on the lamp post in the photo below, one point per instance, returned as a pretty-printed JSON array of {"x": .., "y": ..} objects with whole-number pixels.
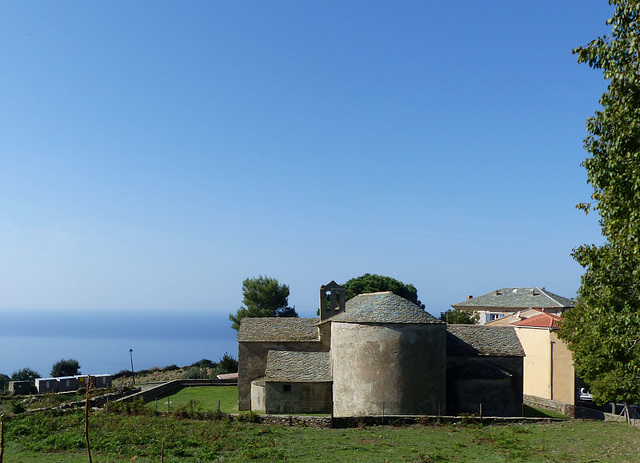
[{"x": 133, "y": 373}]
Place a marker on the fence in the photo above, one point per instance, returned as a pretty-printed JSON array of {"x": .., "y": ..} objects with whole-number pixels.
[{"x": 394, "y": 408}]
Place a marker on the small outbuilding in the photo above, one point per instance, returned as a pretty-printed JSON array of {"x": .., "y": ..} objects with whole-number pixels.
[
  {"x": 297, "y": 382},
  {"x": 67, "y": 383},
  {"x": 46, "y": 385},
  {"x": 103, "y": 381},
  {"x": 20, "y": 387}
]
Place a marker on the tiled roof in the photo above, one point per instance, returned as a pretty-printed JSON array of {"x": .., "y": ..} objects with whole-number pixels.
[
  {"x": 384, "y": 307},
  {"x": 494, "y": 341},
  {"x": 298, "y": 367},
  {"x": 543, "y": 320},
  {"x": 479, "y": 370},
  {"x": 278, "y": 329},
  {"x": 517, "y": 298}
]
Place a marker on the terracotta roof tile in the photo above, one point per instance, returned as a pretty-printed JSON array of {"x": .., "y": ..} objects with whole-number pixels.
[{"x": 543, "y": 320}]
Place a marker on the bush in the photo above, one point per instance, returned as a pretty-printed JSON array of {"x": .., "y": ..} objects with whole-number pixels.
[
  {"x": 193, "y": 373},
  {"x": 204, "y": 363},
  {"x": 248, "y": 417},
  {"x": 171, "y": 368},
  {"x": 134, "y": 407},
  {"x": 189, "y": 410}
]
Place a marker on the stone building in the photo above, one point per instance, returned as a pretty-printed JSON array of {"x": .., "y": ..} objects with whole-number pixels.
[{"x": 376, "y": 354}]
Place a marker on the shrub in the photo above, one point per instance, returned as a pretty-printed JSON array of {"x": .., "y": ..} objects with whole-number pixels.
[
  {"x": 193, "y": 373},
  {"x": 134, "y": 407},
  {"x": 123, "y": 374},
  {"x": 248, "y": 417}
]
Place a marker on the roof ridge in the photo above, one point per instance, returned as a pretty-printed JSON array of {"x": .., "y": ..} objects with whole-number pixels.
[{"x": 544, "y": 291}]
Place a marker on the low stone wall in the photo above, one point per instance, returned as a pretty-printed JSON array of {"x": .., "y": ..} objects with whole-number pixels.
[
  {"x": 595, "y": 414},
  {"x": 547, "y": 404},
  {"x": 399, "y": 420}
]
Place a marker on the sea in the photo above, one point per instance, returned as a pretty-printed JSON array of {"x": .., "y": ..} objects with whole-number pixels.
[{"x": 106, "y": 341}]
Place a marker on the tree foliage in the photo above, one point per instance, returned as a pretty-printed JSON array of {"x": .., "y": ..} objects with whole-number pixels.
[
  {"x": 372, "y": 283},
  {"x": 4, "y": 382},
  {"x": 460, "y": 317},
  {"x": 603, "y": 330},
  {"x": 64, "y": 367},
  {"x": 227, "y": 364},
  {"x": 25, "y": 374},
  {"x": 263, "y": 297}
]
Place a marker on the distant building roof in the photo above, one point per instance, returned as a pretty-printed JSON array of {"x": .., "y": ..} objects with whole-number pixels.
[
  {"x": 494, "y": 341},
  {"x": 227, "y": 376},
  {"x": 542, "y": 320},
  {"x": 517, "y": 298},
  {"x": 298, "y": 367},
  {"x": 278, "y": 329},
  {"x": 514, "y": 317},
  {"x": 383, "y": 307}
]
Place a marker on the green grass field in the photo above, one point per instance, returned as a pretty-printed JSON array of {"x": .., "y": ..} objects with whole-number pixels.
[
  {"x": 48, "y": 437},
  {"x": 206, "y": 396}
]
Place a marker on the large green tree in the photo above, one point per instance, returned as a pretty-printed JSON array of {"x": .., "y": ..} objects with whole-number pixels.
[
  {"x": 372, "y": 283},
  {"x": 603, "y": 330},
  {"x": 64, "y": 367},
  {"x": 263, "y": 297},
  {"x": 25, "y": 374}
]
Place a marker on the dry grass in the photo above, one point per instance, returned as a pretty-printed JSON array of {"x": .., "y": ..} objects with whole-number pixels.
[{"x": 158, "y": 375}]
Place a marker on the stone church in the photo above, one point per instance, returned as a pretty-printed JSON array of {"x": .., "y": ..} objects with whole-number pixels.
[{"x": 377, "y": 354}]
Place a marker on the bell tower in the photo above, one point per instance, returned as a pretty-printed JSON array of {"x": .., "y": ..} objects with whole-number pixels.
[{"x": 332, "y": 301}]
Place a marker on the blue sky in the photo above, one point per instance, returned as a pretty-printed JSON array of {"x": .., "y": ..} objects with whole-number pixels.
[{"x": 155, "y": 154}]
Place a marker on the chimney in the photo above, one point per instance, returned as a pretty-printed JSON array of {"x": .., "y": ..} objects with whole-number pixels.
[{"x": 469, "y": 297}]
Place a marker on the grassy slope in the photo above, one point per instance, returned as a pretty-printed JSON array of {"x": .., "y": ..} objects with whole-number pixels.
[
  {"x": 48, "y": 438},
  {"x": 206, "y": 396}
]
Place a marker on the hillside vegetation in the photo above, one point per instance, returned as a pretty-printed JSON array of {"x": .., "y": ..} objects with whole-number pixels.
[{"x": 49, "y": 437}]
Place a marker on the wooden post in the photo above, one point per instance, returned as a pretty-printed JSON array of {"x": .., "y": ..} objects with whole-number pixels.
[
  {"x": 480, "y": 410},
  {"x": 1, "y": 437},
  {"x": 218, "y": 407}
]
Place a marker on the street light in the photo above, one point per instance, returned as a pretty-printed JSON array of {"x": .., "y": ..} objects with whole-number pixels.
[{"x": 132, "y": 372}]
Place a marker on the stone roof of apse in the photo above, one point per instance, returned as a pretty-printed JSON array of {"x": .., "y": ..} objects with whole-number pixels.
[
  {"x": 482, "y": 340},
  {"x": 298, "y": 367},
  {"x": 278, "y": 329},
  {"x": 517, "y": 298},
  {"x": 383, "y": 307},
  {"x": 542, "y": 320}
]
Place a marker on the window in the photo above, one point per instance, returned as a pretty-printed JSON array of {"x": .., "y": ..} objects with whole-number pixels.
[
  {"x": 286, "y": 388},
  {"x": 494, "y": 316}
]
